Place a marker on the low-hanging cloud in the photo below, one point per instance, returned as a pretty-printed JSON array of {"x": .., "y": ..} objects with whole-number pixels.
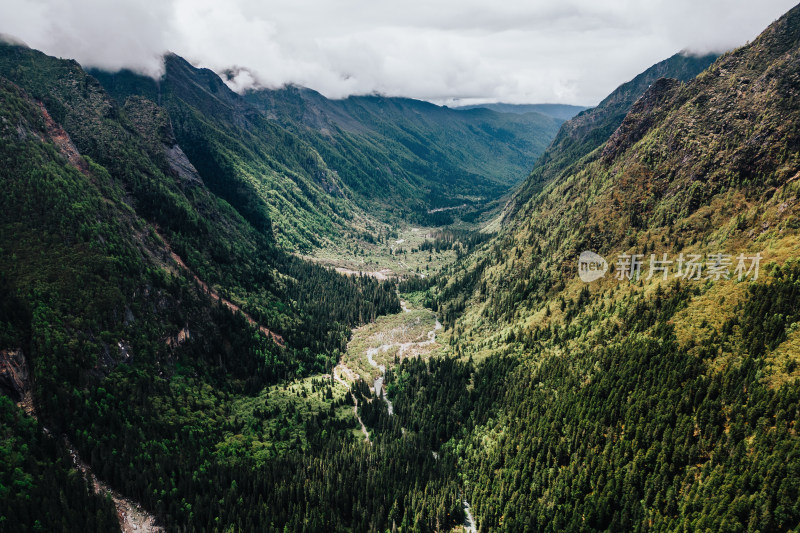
[{"x": 449, "y": 51}]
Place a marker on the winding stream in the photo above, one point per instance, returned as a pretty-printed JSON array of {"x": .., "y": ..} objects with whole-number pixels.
[
  {"x": 343, "y": 369},
  {"x": 469, "y": 520},
  {"x": 378, "y": 383},
  {"x": 401, "y": 348}
]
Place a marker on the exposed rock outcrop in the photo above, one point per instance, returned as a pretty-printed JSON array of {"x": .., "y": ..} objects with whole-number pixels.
[{"x": 14, "y": 376}]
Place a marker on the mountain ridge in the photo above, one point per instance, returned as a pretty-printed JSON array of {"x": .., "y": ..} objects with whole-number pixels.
[
  {"x": 351, "y": 148},
  {"x": 559, "y": 111},
  {"x": 582, "y": 134},
  {"x": 646, "y": 378}
]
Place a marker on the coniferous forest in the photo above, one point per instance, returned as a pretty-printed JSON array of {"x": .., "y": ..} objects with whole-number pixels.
[{"x": 180, "y": 348}]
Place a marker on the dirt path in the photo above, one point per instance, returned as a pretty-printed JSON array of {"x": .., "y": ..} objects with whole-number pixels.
[{"x": 277, "y": 339}]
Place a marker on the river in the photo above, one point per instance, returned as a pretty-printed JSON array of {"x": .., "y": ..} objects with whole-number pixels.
[{"x": 469, "y": 520}]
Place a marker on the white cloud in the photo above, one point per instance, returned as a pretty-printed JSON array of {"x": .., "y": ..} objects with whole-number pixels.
[{"x": 478, "y": 50}]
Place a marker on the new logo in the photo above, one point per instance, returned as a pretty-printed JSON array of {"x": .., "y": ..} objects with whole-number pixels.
[{"x": 591, "y": 266}]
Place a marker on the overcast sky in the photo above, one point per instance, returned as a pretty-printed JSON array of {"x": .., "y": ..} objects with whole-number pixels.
[{"x": 446, "y": 51}]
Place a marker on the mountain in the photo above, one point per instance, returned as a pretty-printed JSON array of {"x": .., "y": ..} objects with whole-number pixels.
[
  {"x": 582, "y": 134},
  {"x": 123, "y": 276},
  {"x": 37, "y": 481},
  {"x": 271, "y": 177},
  {"x": 454, "y": 157},
  {"x": 623, "y": 355},
  {"x": 158, "y": 334},
  {"x": 557, "y": 111},
  {"x": 319, "y": 168},
  {"x": 665, "y": 400}
]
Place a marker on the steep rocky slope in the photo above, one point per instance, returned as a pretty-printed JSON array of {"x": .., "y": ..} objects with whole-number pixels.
[{"x": 582, "y": 134}]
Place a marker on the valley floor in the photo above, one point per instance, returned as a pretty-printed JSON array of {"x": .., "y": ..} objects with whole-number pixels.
[
  {"x": 390, "y": 339},
  {"x": 394, "y": 257}
]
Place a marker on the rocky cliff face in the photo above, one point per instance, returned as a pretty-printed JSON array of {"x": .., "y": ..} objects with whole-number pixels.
[
  {"x": 644, "y": 114},
  {"x": 14, "y": 376},
  {"x": 580, "y": 136}
]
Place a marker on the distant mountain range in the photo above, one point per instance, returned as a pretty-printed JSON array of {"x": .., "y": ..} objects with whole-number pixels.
[{"x": 557, "y": 111}]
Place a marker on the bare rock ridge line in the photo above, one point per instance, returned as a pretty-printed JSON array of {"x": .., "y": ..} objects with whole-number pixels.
[{"x": 276, "y": 338}]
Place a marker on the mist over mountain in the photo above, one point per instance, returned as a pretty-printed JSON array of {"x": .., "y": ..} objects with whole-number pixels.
[
  {"x": 521, "y": 52},
  {"x": 370, "y": 155}
]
